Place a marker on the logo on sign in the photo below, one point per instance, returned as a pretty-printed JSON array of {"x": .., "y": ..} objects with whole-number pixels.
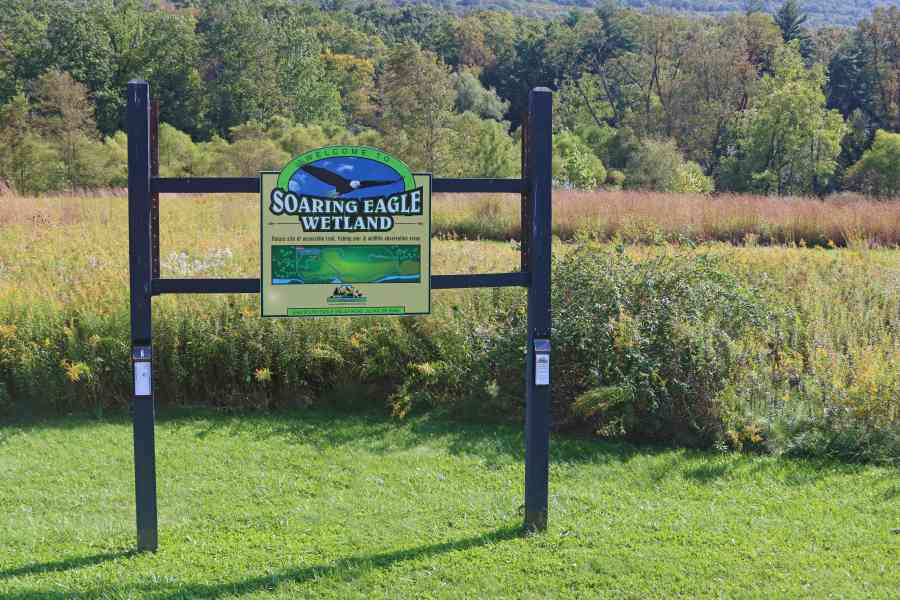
[{"x": 346, "y": 188}]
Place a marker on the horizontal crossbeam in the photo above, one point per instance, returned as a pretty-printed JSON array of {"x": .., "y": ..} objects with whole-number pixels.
[
  {"x": 476, "y": 186},
  {"x": 251, "y": 286},
  {"x": 204, "y": 286},
  {"x": 250, "y": 185},
  {"x": 448, "y": 282},
  {"x": 205, "y": 185}
]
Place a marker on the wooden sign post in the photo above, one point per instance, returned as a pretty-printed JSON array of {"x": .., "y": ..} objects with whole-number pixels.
[{"x": 144, "y": 185}]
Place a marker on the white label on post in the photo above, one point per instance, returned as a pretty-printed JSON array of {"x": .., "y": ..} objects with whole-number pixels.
[
  {"x": 142, "y": 378},
  {"x": 542, "y": 369}
]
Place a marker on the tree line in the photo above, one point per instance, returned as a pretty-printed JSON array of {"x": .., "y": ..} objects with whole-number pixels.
[
  {"x": 821, "y": 12},
  {"x": 746, "y": 102}
]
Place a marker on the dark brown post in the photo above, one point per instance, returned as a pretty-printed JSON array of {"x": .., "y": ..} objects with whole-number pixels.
[
  {"x": 139, "y": 258},
  {"x": 538, "y": 183}
]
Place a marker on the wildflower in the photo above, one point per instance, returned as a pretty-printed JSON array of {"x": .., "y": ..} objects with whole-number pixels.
[
  {"x": 428, "y": 369},
  {"x": 76, "y": 370}
]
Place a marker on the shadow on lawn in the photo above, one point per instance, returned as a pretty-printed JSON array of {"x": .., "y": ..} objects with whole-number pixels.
[
  {"x": 66, "y": 564},
  {"x": 499, "y": 444},
  {"x": 493, "y": 442},
  {"x": 345, "y": 568},
  {"x": 496, "y": 444}
]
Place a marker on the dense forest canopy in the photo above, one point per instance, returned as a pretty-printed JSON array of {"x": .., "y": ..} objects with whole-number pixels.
[
  {"x": 747, "y": 101},
  {"x": 821, "y": 12}
]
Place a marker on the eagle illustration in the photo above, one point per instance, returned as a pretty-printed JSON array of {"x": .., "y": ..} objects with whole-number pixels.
[{"x": 342, "y": 185}]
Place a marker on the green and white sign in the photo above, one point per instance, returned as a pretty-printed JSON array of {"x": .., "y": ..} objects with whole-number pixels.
[{"x": 345, "y": 230}]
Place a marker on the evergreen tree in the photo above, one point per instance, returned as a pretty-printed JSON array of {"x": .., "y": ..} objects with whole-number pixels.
[
  {"x": 753, "y": 6},
  {"x": 790, "y": 21}
]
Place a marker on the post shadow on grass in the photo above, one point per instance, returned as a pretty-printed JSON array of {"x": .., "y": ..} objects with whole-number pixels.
[
  {"x": 350, "y": 567},
  {"x": 494, "y": 441},
  {"x": 65, "y": 564},
  {"x": 497, "y": 443}
]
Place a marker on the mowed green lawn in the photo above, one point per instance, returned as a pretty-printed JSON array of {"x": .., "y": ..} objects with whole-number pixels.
[{"x": 331, "y": 506}]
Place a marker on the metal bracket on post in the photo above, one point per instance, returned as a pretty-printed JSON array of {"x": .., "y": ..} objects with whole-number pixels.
[
  {"x": 538, "y": 182},
  {"x": 526, "y": 207},
  {"x": 154, "y": 196}
]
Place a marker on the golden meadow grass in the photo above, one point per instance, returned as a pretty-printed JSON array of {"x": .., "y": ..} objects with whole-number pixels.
[
  {"x": 654, "y": 217},
  {"x": 631, "y": 215},
  {"x": 64, "y": 297}
]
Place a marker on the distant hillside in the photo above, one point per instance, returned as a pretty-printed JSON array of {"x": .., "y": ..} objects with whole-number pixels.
[{"x": 821, "y": 12}]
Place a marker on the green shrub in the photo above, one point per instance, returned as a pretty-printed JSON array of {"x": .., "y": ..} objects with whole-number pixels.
[
  {"x": 654, "y": 166},
  {"x": 841, "y": 439},
  {"x": 32, "y": 165},
  {"x": 877, "y": 173},
  {"x": 574, "y": 163},
  {"x": 615, "y": 178},
  {"x": 481, "y": 148},
  {"x": 619, "y": 151},
  {"x": 116, "y": 158},
  {"x": 179, "y": 156},
  {"x": 658, "y": 165},
  {"x": 692, "y": 180},
  {"x": 643, "y": 348},
  {"x": 598, "y": 138},
  {"x": 247, "y": 156}
]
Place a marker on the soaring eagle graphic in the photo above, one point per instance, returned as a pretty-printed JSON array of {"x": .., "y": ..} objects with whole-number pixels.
[{"x": 342, "y": 185}]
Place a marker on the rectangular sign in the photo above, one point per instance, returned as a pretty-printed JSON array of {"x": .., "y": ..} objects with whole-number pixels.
[
  {"x": 142, "y": 378},
  {"x": 541, "y": 362},
  {"x": 541, "y": 369},
  {"x": 345, "y": 232}
]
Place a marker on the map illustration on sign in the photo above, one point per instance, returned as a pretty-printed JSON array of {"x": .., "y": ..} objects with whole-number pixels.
[
  {"x": 345, "y": 264},
  {"x": 345, "y": 231}
]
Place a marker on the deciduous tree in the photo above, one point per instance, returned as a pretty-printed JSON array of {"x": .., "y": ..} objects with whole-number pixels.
[
  {"x": 787, "y": 141},
  {"x": 65, "y": 117},
  {"x": 416, "y": 100},
  {"x": 27, "y": 162},
  {"x": 471, "y": 96},
  {"x": 482, "y": 148},
  {"x": 878, "y": 171}
]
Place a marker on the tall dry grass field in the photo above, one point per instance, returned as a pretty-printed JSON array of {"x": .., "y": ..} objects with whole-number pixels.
[{"x": 654, "y": 217}]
